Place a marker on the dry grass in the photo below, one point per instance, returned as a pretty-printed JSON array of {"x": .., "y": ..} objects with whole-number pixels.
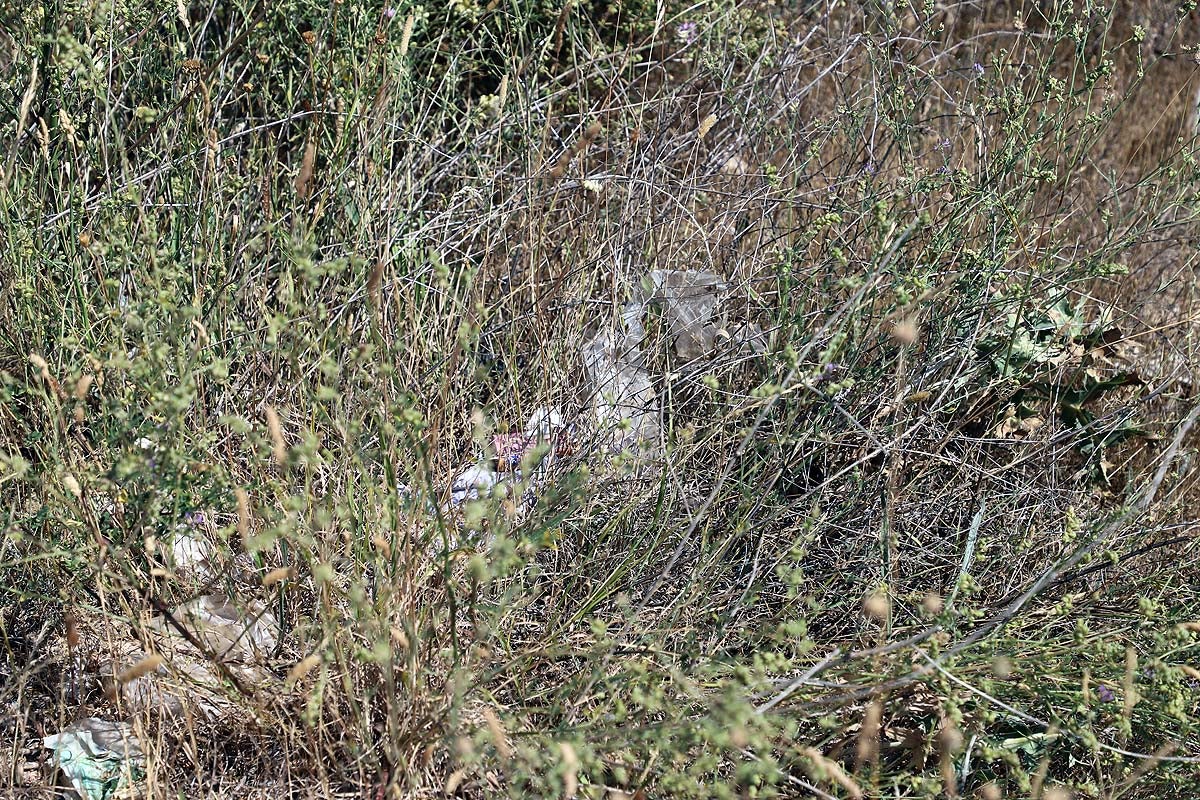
[{"x": 905, "y": 552}]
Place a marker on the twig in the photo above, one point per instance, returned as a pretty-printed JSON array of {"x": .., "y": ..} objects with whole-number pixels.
[
  {"x": 798, "y": 682},
  {"x": 1079, "y": 573},
  {"x": 1158, "y": 756},
  {"x": 1169, "y": 458}
]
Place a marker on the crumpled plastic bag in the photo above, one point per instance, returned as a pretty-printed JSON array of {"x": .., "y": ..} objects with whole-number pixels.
[
  {"x": 750, "y": 338},
  {"x": 547, "y": 437},
  {"x": 227, "y": 630},
  {"x": 473, "y": 482},
  {"x": 193, "y": 560},
  {"x": 184, "y": 684},
  {"x": 624, "y": 401},
  {"x": 188, "y": 680},
  {"x": 101, "y": 758},
  {"x": 690, "y": 300},
  {"x": 191, "y": 555}
]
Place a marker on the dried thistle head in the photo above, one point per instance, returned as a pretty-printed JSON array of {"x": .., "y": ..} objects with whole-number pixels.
[
  {"x": 142, "y": 668},
  {"x": 950, "y": 741},
  {"x": 499, "y": 735},
  {"x": 905, "y": 332},
  {"x": 876, "y": 606},
  {"x": 570, "y": 763},
  {"x": 83, "y": 385},
  {"x": 990, "y": 791},
  {"x": 932, "y": 604},
  {"x": 243, "y": 513},
  {"x": 302, "y": 668},
  {"x": 276, "y": 575},
  {"x": 1002, "y": 666}
]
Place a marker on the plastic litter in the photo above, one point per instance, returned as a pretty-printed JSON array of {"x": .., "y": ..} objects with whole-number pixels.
[
  {"x": 690, "y": 299},
  {"x": 509, "y": 455},
  {"x": 624, "y": 401},
  {"x": 191, "y": 555},
  {"x": 516, "y": 463},
  {"x": 184, "y": 684},
  {"x": 546, "y": 422},
  {"x": 749, "y": 338},
  {"x": 188, "y": 680},
  {"x": 510, "y": 449},
  {"x": 189, "y": 550},
  {"x": 155, "y": 690},
  {"x": 473, "y": 483},
  {"x": 546, "y": 427},
  {"x": 227, "y": 630},
  {"x": 101, "y": 758}
]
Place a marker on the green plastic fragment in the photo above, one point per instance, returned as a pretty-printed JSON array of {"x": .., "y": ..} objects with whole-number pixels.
[{"x": 101, "y": 758}]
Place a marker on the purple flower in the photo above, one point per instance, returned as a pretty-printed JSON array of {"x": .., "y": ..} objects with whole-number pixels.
[
  {"x": 977, "y": 68},
  {"x": 194, "y": 518},
  {"x": 391, "y": 12},
  {"x": 828, "y": 372},
  {"x": 1105, "y": 694},
  {"x": 688, "y": 31}
]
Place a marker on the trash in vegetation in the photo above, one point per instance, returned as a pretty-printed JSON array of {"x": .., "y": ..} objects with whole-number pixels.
[
  {"x": 546, "y": 423},
  {"x": 624, "y": 401},
  {"x": 472, "y": 483},
  {"x": 189, "y": 550},
  {"x": 625, "y": 406},
  {"x": 513, "y": 456},
  {"x": 510, "y": 448},
  {"x": 690, "y": 298},
  {"x": 228, "y": 631},
  {"x": 102, "y": 759},
  {"x": 749, "y": 338},
  {"x": 546, "y": 428},
  {"x": 192, "y": 656},
  {"x": 191, "y": 555},
  {"x": 177, "y": 677},
  {"x": 141, "y": 690},
  {"x": 692, "y": 301},
  {"x": 184, "y": 684}
]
